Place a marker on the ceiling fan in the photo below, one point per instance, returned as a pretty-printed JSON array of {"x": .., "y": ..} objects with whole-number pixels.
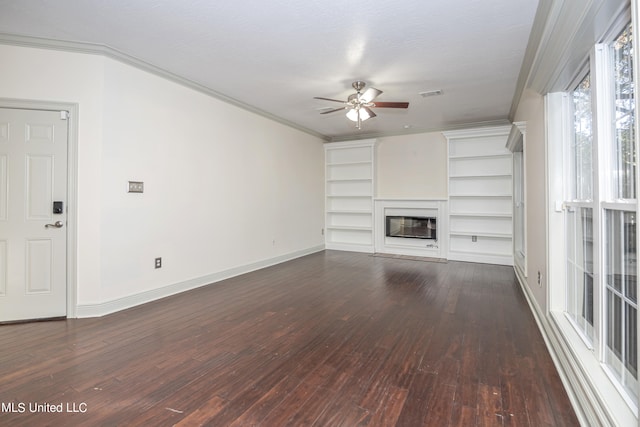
[{"x": 359, "y": 104}]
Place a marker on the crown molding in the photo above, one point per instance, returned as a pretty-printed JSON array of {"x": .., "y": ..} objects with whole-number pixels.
[
  {"x": 562, "y": 35},
  {"x": 478, "y": 132},
  {"x": 516, "y": 137},
  {"x": 535, "y": 38},
  {"x": 111, "y": 53},
  {"x": 415, "y": 131}
]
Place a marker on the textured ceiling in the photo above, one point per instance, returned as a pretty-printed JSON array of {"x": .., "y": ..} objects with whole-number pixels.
[{"x": 276, "y": 56}]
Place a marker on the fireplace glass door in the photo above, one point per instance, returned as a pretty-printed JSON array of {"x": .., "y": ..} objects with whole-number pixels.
[{"x": 411, "y": 227}]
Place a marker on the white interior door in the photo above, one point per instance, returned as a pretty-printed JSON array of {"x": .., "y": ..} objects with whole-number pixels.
[{"x": 33, "y": 238}]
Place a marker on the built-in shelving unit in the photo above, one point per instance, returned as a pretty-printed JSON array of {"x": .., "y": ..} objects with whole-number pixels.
[
  {"x": 349, "y": 190},
  {"x": 480, "y": 196}
]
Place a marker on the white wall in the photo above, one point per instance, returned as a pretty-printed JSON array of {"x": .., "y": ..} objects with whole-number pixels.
[
  {"x": 412, "y": 166},
  {"x": 531, "y": 110},
  {"x": 224, "y": 188}
]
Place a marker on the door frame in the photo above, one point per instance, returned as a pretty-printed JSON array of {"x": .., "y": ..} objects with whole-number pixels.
[{"x": 72, "y": 186}]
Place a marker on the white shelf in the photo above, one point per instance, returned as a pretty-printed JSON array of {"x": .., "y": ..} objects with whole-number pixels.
[
  {"x": 481, "y": 156},
  {"x": 349, "y": 180},
  {"x": 349, "y": 196},
  {"x": 482, "y": 214},
  {"x": 349, "y": 190},
  {"x": 364, "y": 162},
  {"x": 481, "y": 234},
  {"x": 347, "y": 212},
  {"x": 480, "y": 182},
  {"x": 348, "y": 227},
  {"x": 501, "y": 254},
  {"x": 487, "y": 195},
  {"x": 487, "y": 175}
]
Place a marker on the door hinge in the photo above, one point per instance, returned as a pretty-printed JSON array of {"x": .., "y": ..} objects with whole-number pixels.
[{"x": 64, "y": 115}]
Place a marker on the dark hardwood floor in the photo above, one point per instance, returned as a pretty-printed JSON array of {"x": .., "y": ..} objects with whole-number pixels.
[{"x": 331, "y": 339}]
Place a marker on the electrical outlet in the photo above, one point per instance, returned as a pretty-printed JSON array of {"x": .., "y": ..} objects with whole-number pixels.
[
  {"x": 539, "y": 279},
  {"x": 474, "y": 238},
  {"x": 158, "y": 262},
  {"x": 322, "y": 232},
  {"x": 136, "y": 187}
]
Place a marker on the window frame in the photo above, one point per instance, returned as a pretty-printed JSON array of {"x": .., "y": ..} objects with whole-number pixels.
[
  {"x": 572, "y": 201},
  {"x": 609, "y": 200},
  {"x": 559, "y": 122},
  {"x": 516, "y": 143}
]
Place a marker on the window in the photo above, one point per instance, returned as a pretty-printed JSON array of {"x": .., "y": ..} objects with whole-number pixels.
[
  {"x": 579, "y": 217},
  {"x": 581, "y": 147},
  {"x": 516, "y": 144},
  {"x": 519, "y": 207},
  {"x": 624, "y": 103},
  {"x": 621, "y": 308},
  {"x": 579, "y": 231},
  {"x": 621, "y": 298},
  {"x": 599, "y": 168}
]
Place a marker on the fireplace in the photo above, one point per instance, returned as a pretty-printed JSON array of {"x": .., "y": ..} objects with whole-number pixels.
[
  {"x": 411, "y": 227},
  {"x": 414, "y": 227}
]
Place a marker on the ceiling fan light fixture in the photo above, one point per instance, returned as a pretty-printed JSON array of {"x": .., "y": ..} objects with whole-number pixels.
[
  {"x": 361, "y": 113},
  {"x": 358, "y": 105},
  {"x": 364, "y": 114}
]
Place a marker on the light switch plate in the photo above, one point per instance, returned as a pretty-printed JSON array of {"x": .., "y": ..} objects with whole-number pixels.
[{"x": 136, "y": 187}]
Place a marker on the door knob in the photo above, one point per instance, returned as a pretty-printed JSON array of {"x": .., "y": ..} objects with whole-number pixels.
[{"x": 57, "y": 224}]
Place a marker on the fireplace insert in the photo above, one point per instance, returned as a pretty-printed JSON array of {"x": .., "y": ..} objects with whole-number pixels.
[{"x": 414, "y": 227}]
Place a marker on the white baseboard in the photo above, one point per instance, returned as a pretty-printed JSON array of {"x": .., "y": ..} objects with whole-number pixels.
[
  {"x": 480, "y": 258},
  {"x": 108, "y": 307},
  {"x": 350, "y": 247},
  {"x": 588, "y": 406}
]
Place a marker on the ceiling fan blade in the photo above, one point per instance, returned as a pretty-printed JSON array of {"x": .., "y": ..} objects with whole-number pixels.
[
  {"x": 370, "y": 111},
  {"x": 329, "y": 99},
  {"x": 334, "y": 110},
  {"x": 370, "y": 94},
  {"x": 391, "y": 104}
]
